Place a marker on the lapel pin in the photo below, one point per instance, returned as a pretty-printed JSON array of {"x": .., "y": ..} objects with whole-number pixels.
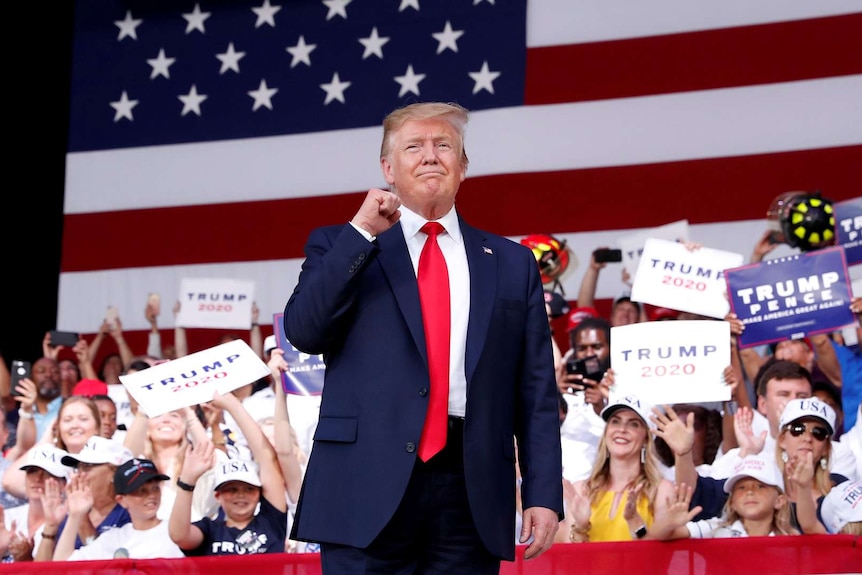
[{"x": 488, "y": 250}]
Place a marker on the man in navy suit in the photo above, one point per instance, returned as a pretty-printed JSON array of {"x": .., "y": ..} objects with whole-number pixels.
[{"x": 369, "y": 498}]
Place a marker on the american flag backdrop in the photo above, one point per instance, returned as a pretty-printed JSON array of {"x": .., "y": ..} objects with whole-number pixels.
[{"x": 208, "y": 138}]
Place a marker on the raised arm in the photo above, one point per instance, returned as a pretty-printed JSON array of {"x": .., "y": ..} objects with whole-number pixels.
[
  {"x": 180, "y": 342},
  {"x": 261, "y": 449},
  {"x": 285, "y": 436},
  {"x": 587, "y": 291},
  {"x": 255, "y": 337},
  {"x": 199, "y": 459}
]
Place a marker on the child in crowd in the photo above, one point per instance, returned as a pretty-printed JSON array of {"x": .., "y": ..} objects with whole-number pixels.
[
  {"x": 756, "y": 506},
  {"x": 240, "y": 485},
  {"x": 842, "y": 508},
  {"x": 138, "y": 487}
]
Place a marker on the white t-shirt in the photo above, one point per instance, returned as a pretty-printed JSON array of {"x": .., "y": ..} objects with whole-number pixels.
[{"x": 153, "y": 543}]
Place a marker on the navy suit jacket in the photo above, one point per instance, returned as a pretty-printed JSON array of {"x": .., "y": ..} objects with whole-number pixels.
[{"x": 357, "y": 302}]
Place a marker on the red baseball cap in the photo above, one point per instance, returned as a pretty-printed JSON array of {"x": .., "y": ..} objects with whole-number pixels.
[
  {"x": 90, "y": 387},
  {"x": 578, "y": 314}
]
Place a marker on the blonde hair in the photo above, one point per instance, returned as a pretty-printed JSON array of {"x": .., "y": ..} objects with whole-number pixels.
[
  {"x": 781, "y": 523},
  {"x": 852, "y": 528},
  {"x": 177, "y": 465},
  {"x": 649, "y": 475},
  {"x": 456, "y": 115}
]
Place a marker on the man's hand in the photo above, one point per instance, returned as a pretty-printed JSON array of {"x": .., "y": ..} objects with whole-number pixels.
[
  {"x": 378, "y": 212},
  {"x": 542, "y": 523}
]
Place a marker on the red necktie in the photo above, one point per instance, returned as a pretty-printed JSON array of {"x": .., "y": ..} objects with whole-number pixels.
[{"x": 433, "y": 278}]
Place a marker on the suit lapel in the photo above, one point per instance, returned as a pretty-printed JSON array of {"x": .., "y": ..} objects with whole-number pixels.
[
  {"x": 398, "y": 269},
  {"x": 482, "y": 263}
]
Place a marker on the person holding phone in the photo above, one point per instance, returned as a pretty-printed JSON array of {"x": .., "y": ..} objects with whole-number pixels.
[
  {"x": 585, "y": 395},
  {"x": 39, "y": 395}
]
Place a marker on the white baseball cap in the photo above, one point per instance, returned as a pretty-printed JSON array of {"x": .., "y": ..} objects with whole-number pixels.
[
  {"x": 99, "y": 450},
  {"x": 237, "y": 470},
  {"x": 808, "y": 407},
  {"x": 758, "y": 467},
  {"x": 842, "y": 505},
  {"x": 49, "y": 458},
  {"x": 642, "y": 408}
]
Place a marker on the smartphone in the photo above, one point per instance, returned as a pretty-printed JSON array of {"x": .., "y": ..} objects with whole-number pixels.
[
  {"x": 20, "y": 370},
  {"x": 589, "y": 367},
  {"x": 67, "y": 338},
  {"x": 606, "y": 255},
  {"x": 111, "y": 315}
]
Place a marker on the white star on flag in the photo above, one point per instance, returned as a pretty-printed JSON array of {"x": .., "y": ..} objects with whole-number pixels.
[
  {"x": 408, "y": 4},
  {"x": 335, "y": 89},
  {"x": 262, "y": 96},
  {"x": 336, "y": 8},
  {"x": 123, "y": 106},
  {"x": 373, "y": 44},
  {"x": 160, "y": 65},
  {"x": 128, "y": 26},
  {"x": 230, "y": 59},
  {"x": 192, "y": 101},
  {"x": 484, "y": 79},
  {"x": 265, "y": 14},
  {"x": 448, "y": 38},
  {"x": 196, "y": 19},
  {"x": 301, "y": 52},
  {"x": 409, "y": 81}
]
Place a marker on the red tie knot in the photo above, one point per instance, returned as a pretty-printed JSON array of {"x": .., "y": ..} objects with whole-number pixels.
[{"x": 433, "y": 228}]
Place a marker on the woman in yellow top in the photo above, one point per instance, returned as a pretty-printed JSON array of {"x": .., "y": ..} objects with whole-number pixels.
[{"x": 625, "y": 489}]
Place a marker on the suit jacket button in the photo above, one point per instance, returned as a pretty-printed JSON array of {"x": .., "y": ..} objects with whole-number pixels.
[
  {"x": 361, "y": 256},
  {"x": 351, "y": 269},
  {"x": 410, "y": 447},
  {"x": 423, "y": 392}
]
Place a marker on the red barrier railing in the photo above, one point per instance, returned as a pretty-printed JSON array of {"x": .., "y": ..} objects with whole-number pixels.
[{"x": 800, "y": 555}]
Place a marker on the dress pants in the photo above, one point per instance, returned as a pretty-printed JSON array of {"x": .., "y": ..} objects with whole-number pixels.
[{"x": 431, "y": 532}]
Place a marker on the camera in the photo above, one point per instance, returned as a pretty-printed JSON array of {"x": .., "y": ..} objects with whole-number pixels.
[{"x": 589, "y": 367}]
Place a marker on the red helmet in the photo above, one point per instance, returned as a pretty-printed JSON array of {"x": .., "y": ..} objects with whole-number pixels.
[{"x": 551, "y": 255}]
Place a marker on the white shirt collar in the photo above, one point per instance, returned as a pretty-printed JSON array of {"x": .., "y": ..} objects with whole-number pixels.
[{"x": 411, "y": 223}]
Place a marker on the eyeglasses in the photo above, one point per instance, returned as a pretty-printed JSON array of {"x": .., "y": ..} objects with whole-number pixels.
[{"x": 818, "y": 432}]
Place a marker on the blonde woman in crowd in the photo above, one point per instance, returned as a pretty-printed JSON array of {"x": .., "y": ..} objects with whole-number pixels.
[
  {"x": 163, "y": 439},
  {"x": 77, "y": 421},
  {"x": 803, "y": 453},
  {"x": 625, "y": 490}
]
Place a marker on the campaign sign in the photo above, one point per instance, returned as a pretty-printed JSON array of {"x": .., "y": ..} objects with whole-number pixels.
[
  {"x": 671, "y": 276},
  {"x": 195, "y": 378},
  {"x": 791, "y": 297},
  {"x": 304, "y": 375},
  {"x": 671, "y": 361},
  {"x": 848, "y": 228},
  {"x": 632, "y": 245},
  {"x": 215, "y": 303}
]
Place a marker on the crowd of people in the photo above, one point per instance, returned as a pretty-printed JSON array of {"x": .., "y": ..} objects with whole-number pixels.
[{"x": 88, "y": 474}]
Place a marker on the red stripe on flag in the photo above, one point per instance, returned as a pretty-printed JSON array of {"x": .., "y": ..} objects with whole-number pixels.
[
  {"x": 728, "y": 57},
  {"x": 701, "y": 191}
]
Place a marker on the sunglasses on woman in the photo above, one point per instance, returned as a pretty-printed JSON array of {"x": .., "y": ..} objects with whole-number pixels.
[{"x": 818, "y": 432}]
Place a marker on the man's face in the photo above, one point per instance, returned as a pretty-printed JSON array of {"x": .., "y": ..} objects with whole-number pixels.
[
  {"x": 778, "y": 393},
  {"x": 424, "y": 166},
  {"x": 46, "y": 376},
  {"x": 624, "y": 313},
  {"x": 592, "y": 342}
]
